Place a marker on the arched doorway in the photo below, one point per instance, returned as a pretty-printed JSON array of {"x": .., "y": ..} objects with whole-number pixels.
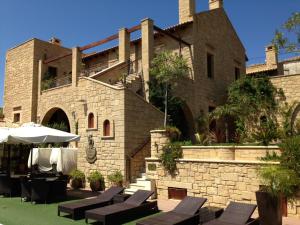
[
  {"x": 295, "y": 117},
  {"x": 58, "y": 118},
  {"x": 182, "y": 118}
]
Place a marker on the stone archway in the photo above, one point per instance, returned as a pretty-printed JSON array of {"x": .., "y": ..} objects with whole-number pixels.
[
  {"x": 295, "y": 116},
  {"x": 58, "y": 116},
  {"x": 183, "y": 119}
]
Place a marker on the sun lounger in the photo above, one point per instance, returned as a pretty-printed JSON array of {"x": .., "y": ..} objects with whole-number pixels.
[
  {"x": 237, "y": 214},
  {"x": 134, "y": 207},
  {"x": 78, "y": 208},
  {"x": 186, "y": 213}
]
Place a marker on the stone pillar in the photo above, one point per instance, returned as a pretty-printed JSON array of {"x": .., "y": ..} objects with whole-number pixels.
[
  {"x": 124, "y": 45},
  {"x": 147, "y": 51},
  {"x": 215, "y": 4},
  {"x": 271, "y": 56},
  {"x": 187, "y": 9},
  {"x": 40, "y": 77},
  {"x": 76, "y": 65},
  {"x": 159, "y": 139}
]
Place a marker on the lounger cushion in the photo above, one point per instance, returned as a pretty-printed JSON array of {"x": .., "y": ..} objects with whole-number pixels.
[
  {"x": 237, "y": 213},
  {"x": 168, "y": 218},
  {"x": 190, "y": 205},
  {"x": 102, "y": 213},
  {"x": 139, "y": 197}
]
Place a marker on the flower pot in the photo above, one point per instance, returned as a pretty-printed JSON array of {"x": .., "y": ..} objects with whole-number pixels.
[
  {"x": 76, "y": 183},
  {"x": 96, "y": 185},
  {"x": 269, "y": 208}
]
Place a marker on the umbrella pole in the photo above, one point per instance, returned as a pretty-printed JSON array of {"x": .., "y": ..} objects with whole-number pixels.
[
  {"x": 31, "y": 153},
  {"x": 8, "y": 160}
]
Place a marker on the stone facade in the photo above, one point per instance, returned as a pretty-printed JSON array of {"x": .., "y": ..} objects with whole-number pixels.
[
  {"x": 220, "y": 174},
  {"x": 86, "y": 84}
]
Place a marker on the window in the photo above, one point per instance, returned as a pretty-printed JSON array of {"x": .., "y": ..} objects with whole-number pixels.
[
  {"x": 106, "y": 128},
  {"x": 52, "y": 71},
  {"x": 210, "y": 65},
  {"x": 17, "y": 117},
  {"x": 237, "y": 73},
  {"x": 91, "y": 121}
]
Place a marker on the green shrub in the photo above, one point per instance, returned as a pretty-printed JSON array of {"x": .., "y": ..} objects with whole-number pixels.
[
  {"x": 278, "y": 180},
  {"x": 266, "y": 132},
  {"x": 290, "y": 156},
  {"x": 171, "y": 152},
  {"x": 95, "y": 176},
  {"x": 77, "y": 175},
  {"x": 173, "y": 133},
  {"x": 116, "y": 178}
]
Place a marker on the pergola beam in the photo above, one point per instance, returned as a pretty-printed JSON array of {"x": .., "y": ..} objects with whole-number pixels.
[
  {"x": 94, "y": 44},
  {"x": 159, "y": 30}
]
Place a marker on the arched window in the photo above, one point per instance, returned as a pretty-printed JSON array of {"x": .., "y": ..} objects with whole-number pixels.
[
  {"x": 106, "y": 128},
  {"x": 91, "y": 121}
]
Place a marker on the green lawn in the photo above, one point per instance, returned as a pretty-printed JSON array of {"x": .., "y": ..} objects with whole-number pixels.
[{"x": 15, "y": 212}]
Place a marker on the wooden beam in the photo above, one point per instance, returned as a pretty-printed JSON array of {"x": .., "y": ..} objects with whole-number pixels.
[
  {"x": 159, "y": 30},
  {"x": 94, "y": 44},
  {"x": 57, "y": 58}
]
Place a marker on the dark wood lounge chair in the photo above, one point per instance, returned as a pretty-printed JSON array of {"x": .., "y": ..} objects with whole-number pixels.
[
  {"x": 186, "y": 213},
  {"x": 77, "y": 209},
  {"x": 237, "y": 214},
  {"x": 134, "y": 207},
  {"x": 39, "y": 190}
]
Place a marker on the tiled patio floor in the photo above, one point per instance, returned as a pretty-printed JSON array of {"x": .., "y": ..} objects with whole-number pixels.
[{"x": 167, "y": 205}]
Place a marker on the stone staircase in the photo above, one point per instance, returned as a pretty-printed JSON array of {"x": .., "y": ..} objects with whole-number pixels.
[
  {"x": 142, "y": 183},
  {"x": 133, "y": 82}
]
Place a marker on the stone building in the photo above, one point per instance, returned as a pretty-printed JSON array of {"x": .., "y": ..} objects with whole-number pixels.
[
  {"x": 104, "y": 96},
  {"x": 284, "y": 74}
]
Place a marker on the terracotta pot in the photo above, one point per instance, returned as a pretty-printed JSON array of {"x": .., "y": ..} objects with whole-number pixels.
[
  {"x": 269, "y": 208},
  {"x": 76, "y": 183},
  {"x": 96, "y": 185}
]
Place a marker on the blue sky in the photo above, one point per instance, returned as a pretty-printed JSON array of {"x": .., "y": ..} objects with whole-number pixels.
[{"x": 78, "y": 22}]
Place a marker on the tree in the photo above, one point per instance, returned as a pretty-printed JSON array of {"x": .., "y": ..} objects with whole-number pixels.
[
  {"x": 287, "y": 37},
  {"x": 166, "y": 69},
  {"x": 254, "y": 103}
]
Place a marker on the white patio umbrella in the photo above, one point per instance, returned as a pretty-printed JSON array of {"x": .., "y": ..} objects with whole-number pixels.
[
  {"x": 31, "y": 133},
  {"x": 4, "y": 133}
]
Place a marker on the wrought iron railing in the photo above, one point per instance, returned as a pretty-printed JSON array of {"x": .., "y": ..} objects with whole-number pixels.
[{"x": 50, "y": 83}]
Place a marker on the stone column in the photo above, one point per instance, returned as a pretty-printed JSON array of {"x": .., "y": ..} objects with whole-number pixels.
[
  {"x": 124, "y": 45},
  {"x": 76, "y": 65},
  {"x": 147, "y": 51},
  {"x": 215, "y": 4},
  {"x": 159, "y": 139},
  {"x": 40, "y": 77}
]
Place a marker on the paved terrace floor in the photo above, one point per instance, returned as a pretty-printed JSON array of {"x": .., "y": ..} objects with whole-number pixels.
[{"x": 167, "y": 205}]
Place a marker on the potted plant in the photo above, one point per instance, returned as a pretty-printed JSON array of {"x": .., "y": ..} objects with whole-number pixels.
[
  {"x": 77, "y": 179},
  {"x": 116, "y": 178},
  {"x": 96, "y": 181},
  {"x": 278, "y": 182}
]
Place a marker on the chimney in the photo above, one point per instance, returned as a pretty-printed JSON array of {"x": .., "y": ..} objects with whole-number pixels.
[
  {"x": 215, "y": 4},
  {"x": 187, "y": 9},
  {"x": 55, "y": 41},
  {"x": 271, "y": 56}
]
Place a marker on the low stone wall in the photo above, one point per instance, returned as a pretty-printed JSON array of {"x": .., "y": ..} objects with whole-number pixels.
[
  {"x": 252, "y": 153},
  {"x": 220, "y": 174}
]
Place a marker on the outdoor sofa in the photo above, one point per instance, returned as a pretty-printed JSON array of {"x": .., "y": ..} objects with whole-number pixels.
[
  {"x": 134, "y": 207},
  {"x": 78, "y": 208},
  {"x": 237, "y": 214},
  {"x": 185, "y": 213}
]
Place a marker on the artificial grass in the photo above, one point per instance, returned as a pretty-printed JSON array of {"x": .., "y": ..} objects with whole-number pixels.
[{"x": 15, "y": 212}]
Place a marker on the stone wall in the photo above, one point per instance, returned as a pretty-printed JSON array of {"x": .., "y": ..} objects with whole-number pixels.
[
  {"x": 220, "y": 174},
  {"x": 21, "y": 77},
  {"x": 239, "y": 153},
  {"x": 290, "y": 84}
]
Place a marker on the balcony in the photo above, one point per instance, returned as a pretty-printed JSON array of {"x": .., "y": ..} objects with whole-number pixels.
[{"x": 60, "y": 81}]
